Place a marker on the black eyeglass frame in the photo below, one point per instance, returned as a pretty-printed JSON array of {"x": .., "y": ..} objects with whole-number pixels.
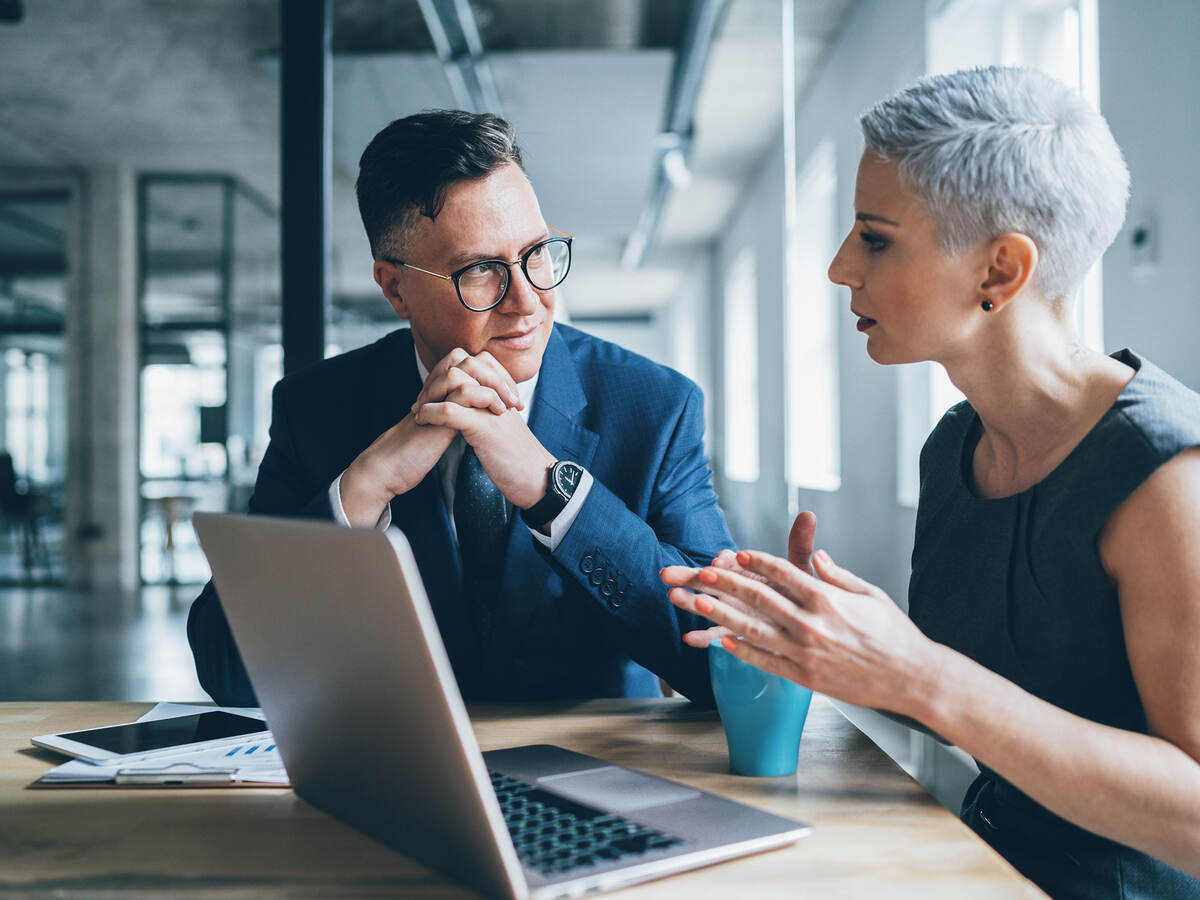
[{"x": 523, "y": 259}]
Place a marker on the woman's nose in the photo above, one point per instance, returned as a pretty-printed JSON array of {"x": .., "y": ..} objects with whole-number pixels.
[{"x": 841, "y": 271}]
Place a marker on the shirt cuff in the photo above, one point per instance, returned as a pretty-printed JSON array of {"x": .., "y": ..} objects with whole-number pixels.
[
  {"x": 339, "y": 512},
  {"x": 561, "y": 524}
]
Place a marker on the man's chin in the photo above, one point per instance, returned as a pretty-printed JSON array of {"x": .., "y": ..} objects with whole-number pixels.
[{"x": 520, "y": 364}]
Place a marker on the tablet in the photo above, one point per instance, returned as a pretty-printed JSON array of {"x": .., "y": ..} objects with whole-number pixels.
[{"x": 136, "y": 739}]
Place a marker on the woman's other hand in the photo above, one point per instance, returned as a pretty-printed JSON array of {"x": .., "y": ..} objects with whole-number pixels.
[
  {"x": 800, "y": 546},
  {"x": 838, "y": 635}
]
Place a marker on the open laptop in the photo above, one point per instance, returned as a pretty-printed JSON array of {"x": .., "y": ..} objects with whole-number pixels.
[{"x": 344, "y": 653}]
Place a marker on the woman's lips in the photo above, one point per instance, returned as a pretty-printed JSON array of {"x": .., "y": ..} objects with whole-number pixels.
[{"x": 864, "y": 323}]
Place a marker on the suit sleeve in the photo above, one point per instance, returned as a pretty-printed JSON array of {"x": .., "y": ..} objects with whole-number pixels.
[
  {"x": 615, "y": 556},
  {"x": 282, "y": 489}
]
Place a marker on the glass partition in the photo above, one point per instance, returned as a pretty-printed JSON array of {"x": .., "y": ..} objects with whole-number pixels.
[
  {"x": 210, "y": 310},
  {"x": 33, "y": 397}
]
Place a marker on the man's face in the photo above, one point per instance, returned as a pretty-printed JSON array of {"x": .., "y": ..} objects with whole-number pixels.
[{"x": 496, "y": 217}]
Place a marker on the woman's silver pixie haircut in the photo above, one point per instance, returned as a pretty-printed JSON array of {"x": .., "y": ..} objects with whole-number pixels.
[{"x": 989, "y": 151}]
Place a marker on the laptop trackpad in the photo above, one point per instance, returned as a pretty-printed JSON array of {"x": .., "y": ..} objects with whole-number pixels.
[{"x": 617, "y": 789}]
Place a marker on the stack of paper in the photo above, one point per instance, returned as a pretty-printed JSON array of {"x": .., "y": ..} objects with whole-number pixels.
[{"x": 255, "y": 760}]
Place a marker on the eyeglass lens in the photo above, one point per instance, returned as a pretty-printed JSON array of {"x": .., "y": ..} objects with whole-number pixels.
[{"x": 483, "y": 285}]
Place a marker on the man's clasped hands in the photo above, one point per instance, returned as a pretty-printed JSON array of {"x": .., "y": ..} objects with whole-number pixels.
[{"x": 469, "y": 395}]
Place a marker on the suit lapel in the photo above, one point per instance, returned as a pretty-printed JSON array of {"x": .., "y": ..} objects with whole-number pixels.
[{"x": 557, "y": 403}]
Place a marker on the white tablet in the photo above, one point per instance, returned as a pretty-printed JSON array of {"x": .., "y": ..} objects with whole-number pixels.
[{"x": 137, "y": 739}]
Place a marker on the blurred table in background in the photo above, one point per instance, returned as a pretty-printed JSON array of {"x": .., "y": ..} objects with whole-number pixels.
[{"x": 171, "y": 501}]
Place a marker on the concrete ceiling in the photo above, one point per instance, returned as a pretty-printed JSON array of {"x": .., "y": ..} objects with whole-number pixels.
[{"x": 192, "y": 87}]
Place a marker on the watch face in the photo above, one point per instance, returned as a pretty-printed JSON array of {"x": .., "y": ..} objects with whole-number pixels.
[{"x": 566, "y": 478}]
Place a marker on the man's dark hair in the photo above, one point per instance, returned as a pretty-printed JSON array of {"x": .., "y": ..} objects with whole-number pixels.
[{"x": 407, "y": 168}]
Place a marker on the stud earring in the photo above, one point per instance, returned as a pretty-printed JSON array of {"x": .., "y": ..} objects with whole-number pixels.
[{"x": 987, "y": 305}]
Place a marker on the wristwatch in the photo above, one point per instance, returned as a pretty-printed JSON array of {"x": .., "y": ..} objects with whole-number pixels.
[{"x": 565, "y": 476}]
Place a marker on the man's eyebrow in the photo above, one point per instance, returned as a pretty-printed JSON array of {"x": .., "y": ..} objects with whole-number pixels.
[
  {"x": 871, "y": 217},
  {"x": 463, "y": 259}
]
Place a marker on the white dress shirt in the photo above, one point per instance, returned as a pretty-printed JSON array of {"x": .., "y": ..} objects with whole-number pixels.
[{"x": 448, "y": 471}]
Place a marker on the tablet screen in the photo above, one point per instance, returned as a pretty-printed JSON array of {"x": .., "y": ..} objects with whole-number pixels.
[{"x": 158, "y": 734}]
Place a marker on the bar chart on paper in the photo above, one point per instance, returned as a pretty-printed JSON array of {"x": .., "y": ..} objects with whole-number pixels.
[{"x": 254, "y": 761}]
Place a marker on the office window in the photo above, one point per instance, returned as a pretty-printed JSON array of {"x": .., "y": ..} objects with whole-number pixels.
[
  {"x": 741, "y": 368},
  {"x": 1060, "y": 37},
  {"x": 813, "y": 423},
  {"x": 180, "y": 380}
]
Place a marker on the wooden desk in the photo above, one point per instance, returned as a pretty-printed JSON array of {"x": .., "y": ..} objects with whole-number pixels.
[{"x": 878, "y": 833}]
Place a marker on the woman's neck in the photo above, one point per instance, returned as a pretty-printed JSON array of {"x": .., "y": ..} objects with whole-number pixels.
[{"x": 1038, "y": 393}]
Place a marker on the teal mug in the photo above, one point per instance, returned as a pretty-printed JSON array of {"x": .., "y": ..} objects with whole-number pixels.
[{"x": 763, "y": 715}]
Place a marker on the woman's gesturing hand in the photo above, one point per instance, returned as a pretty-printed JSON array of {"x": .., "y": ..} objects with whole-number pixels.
[
  {"x": 800, "y": 547},
  {"x": 838, "y": 634}
]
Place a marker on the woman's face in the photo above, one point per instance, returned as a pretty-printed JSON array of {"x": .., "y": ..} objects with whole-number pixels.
[{"x": 913, "y": 301}]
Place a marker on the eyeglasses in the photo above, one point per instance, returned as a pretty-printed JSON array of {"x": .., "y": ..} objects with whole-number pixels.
[{"x": 483, "y": 285}]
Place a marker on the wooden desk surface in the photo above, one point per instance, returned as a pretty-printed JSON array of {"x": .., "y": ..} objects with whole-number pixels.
[{"x": 877, "y": 832}]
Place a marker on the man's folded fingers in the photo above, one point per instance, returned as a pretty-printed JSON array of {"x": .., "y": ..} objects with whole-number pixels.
[
  {"x": 442, "y": 385},
  {"x": 445, "y": 413},
  {"x": 484, "y": 369},
  {"x": 449, "y": 361},
  {"x": 478, "y": 397}
]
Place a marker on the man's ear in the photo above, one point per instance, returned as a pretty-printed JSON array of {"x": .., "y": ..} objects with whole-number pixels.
[
  {"x": 387, "y": 276},
  {"x": 1011, "y": 261}
]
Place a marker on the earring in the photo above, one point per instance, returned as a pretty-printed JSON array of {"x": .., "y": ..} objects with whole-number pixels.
[{"x": 987, "y": 305}]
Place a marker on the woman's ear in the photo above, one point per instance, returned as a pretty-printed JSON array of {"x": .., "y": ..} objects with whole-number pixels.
[
  {"x": 1012, "y": 260},
  {"x": 387, "y": 276}
]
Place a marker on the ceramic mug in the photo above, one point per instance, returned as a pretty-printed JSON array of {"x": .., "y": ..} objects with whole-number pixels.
[{"x": 763, "y": 715}]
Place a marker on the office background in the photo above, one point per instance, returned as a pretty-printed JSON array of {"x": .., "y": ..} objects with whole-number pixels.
[{"x": 701, "y": 151}]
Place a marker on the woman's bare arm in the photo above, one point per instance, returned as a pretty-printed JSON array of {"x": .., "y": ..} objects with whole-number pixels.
[{"x": 846, "y": 638}]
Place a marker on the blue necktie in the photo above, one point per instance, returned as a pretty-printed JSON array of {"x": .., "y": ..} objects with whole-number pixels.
[{"x": 481, "y": 520}]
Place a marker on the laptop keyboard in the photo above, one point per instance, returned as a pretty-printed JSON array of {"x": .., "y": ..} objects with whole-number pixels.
[{"x": 553, "y": 834}]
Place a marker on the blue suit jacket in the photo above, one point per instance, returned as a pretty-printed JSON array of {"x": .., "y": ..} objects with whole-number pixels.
[{"x": 587, "y": 620}]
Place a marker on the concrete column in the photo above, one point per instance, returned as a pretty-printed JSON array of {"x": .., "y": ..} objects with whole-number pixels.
[{"x": 102, "y": 375}]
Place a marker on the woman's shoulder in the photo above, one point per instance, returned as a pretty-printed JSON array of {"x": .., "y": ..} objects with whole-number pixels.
[
  {"x": 1153, "y": 420},
  {"x": 1155, "y": 412}
]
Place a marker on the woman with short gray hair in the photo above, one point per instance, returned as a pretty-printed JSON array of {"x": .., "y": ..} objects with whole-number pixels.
[{"x": 1054, "y": 604}]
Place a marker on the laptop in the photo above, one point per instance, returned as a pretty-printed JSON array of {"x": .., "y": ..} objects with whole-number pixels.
[{"x": 342, "y": 647}]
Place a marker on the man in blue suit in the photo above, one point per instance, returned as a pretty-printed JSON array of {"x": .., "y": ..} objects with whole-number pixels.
[{"x": 542, "y": 476}]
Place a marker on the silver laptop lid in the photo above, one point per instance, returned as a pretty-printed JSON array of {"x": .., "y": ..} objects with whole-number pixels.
[{"x": 357, "y": 740}]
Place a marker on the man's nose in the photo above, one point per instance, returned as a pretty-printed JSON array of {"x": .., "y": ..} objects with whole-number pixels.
[{"x": 522, "y": 299}]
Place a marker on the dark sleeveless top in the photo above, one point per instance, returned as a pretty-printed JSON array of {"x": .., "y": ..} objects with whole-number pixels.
[{"x": 1016, "y": 584}]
